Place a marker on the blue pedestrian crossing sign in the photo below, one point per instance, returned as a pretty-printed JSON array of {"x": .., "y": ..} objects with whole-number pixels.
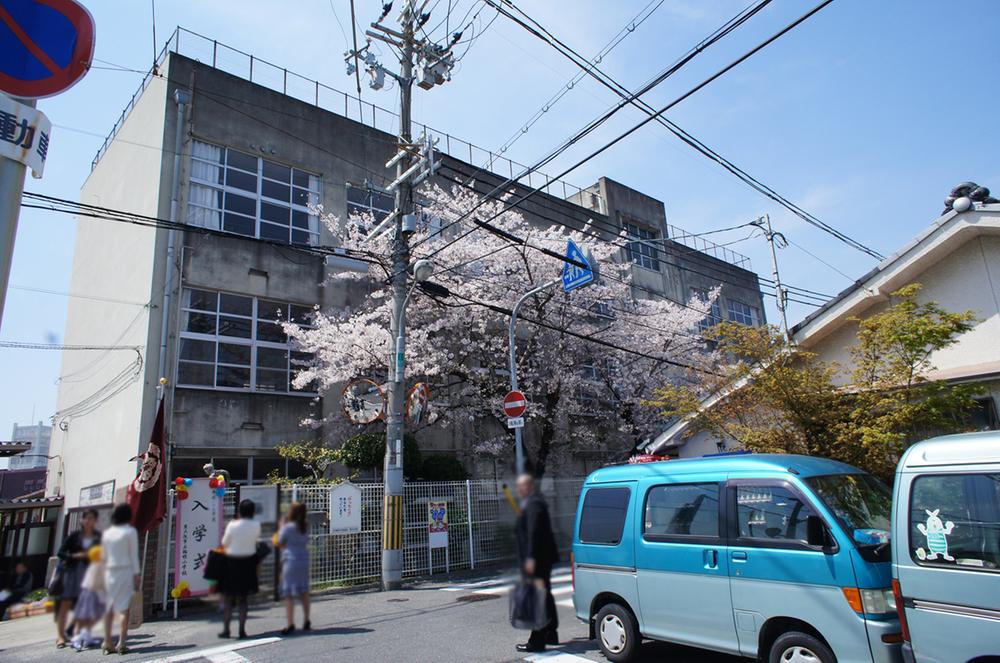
[{"x": 574, "y": 277}]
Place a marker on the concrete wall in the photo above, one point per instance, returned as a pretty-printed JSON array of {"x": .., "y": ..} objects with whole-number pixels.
[{"x": 122, "y": 262}]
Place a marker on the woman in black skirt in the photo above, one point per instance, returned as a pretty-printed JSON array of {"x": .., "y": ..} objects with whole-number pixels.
[
  {"x": 240, "y": 579},
  {"x": 73, "y": 557}
]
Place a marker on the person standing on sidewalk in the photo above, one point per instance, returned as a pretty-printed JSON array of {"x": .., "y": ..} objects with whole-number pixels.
[
  {"x": 73, "y": 559},
  {"x": 293, "y": 539},
  {"x": 537, "y": 554},
  {"x": 120, "y": 548},
  {"x": 240, "y": 543}
]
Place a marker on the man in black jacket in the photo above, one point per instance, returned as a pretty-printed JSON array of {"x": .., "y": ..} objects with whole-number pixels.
[{"x": 537, "y": 554}]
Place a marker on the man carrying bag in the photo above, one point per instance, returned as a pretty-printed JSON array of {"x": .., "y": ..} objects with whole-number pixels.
[{"x": 532, "y": 605}]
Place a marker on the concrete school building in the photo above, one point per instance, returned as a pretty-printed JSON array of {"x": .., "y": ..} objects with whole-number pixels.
[
  {"x": 957, "y": 261},
  {"x": 218, "y": 140}
]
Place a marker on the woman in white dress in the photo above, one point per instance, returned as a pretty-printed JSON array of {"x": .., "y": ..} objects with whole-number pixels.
[{"x": 120, "y": 545}]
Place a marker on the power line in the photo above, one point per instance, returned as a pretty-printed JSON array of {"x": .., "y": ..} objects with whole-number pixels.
[
  {"x": 597, "y": 74},
  {"x": 649, "y": 119}
]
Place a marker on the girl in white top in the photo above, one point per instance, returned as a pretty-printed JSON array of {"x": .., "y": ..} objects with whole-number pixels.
[
  {"x": 120, "y": 548},
  {"x": 240, "y": 579}
]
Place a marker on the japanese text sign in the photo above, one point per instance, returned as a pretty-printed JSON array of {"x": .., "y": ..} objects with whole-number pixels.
[
  {"x": 345, "y": 509},
  {"x": 198, "y": 530},
  {"x": 24, "y": 134}
]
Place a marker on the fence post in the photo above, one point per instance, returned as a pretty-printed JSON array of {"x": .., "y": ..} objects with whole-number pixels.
[
  {"x": 251, "y": 69},
  {"x": 468, "y": 518},
  {"x": 215, "y": 54}
]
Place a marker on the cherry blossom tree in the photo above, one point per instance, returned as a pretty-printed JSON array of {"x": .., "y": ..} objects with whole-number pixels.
[{"x": 587, "y": 360}]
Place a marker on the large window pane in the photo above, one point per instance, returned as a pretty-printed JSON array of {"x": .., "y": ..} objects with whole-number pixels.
[
  {"x": 272, "y": 380},
  {"x": 277, "y": 191},
  {"x": 229, "y": 376},
  {"x": 241, "y": 160},
  {"x": 240, "y": 225},
  {"x": 199, "y": 323},
  {"x": 233, "y": 353},
  {"x": 235, "y": 304},
  {"x": 276, "y": 171},
  {"x": 197, "y": 350},
  {"x": 200, "y": 299},
  {"x": 771, "y": 512},
  {"x": 271, "y": 310},
  {"x": 241, "y": 204},
  {"x": 955, "y": 521},
  {"x": 202, "y": 375},
  {"x": 685, "y": 510},
  {"x": 272, "y": 358},
  {"x": 238, "y": 327},
  {"x": 274, "y": 213},
  {"x": 603, "y": 515},
  {"x": 241, "y": 180},
  {"x": 270, "y": 332},
  {"x": 273, "y": 232}
]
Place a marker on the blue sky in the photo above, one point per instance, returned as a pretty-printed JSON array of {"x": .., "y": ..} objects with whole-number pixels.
[{"x": 866, "y": 116}]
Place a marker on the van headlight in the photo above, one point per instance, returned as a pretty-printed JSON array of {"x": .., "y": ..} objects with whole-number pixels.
[{"x": 878, "y": 601}]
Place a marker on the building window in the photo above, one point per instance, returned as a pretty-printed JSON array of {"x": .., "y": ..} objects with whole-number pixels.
[
  {"x": 714, "y": 316},
  {"x": 370, "y": 203},
  {"x": 248, "y": 195},
  {"x": 742, "y": 313},
  {"x": 642, "y": 253},
  {"x": 234, "y": 342}
]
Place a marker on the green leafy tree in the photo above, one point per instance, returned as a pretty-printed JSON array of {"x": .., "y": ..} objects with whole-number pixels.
[
  {"x": 313, "y": 456},
  {"x": 770, "y": 396},
  {"x": 366, "y": 451}
]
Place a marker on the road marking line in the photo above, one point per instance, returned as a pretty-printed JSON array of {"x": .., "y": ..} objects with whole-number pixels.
[
  {"x": 559, "y": 591},
  {"x": 566, "y": 603},
  {"x": 214, "y": 651},
  {"x": 557, "y": 657},
  {"x": 228, "y": 657}
]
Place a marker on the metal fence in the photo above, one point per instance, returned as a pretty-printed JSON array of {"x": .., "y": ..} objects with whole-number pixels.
[{"x": 480, "y": 530}]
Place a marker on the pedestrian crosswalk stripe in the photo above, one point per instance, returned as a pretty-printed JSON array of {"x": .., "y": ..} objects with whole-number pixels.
[
  {"x": 227, "y": 657},
  {"x": 215, "y": 651},
  {"x": 566, "y": 603},
  {"x": 556, "y": 656}
]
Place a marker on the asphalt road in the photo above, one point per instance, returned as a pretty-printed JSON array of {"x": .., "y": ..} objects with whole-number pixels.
[{"x": 430, "y": 621}]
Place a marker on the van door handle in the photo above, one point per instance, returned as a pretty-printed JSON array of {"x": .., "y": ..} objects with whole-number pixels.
[
  {"x": 739, "y": 556},
  {"x": 711, "y": 559}
]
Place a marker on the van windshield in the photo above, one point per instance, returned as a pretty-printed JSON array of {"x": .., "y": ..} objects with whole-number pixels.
[{"x": 861, "y": 502}]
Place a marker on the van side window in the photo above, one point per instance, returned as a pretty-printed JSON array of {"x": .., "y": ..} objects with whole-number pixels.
[
  {"x": 771, "y": 512},
  {"x": 603, "y": 515},
  {"x": 955, "y": 521},
  {"x": 682, "y": 510}
]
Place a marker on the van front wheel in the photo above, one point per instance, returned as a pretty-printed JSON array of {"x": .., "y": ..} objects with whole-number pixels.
[
  {"x": 796, "y": 647},
  {"x": 617, "y": 633}
]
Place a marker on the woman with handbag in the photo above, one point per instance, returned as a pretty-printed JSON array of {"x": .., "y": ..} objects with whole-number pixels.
[
  {"x": 240, "y": 579},
  {"x": 73, "y": 561},
  {"x": 293, "y": 539},
  {"x": 121, "y": 574}
]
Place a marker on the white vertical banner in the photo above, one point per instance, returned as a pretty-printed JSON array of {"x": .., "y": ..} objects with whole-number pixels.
[{"x": 197, "y": 531}]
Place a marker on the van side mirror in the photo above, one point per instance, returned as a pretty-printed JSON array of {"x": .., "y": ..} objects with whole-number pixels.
[{"x": 816, "y": 533}]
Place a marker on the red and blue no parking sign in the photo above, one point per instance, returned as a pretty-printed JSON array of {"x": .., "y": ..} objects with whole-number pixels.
[{"x": 45, "y": 46}]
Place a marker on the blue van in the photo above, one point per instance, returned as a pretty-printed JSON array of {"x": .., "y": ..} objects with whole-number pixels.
[
  {"x": 946, "y": 559},
  {"x": 782, "y": 558}
]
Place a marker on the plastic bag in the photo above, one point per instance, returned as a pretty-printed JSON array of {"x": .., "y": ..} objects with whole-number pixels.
[{"x": 527, "y": 606}]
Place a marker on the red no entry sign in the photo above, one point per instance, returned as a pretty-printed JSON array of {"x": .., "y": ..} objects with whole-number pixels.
[
  {"x": 514, "y": 404},
  {"x": 45, "y": 46}
]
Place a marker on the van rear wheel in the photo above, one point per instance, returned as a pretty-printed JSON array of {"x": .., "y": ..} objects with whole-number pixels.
[
  {"x": 617, "y": 633},
  {"x": 797, "y": 647}
]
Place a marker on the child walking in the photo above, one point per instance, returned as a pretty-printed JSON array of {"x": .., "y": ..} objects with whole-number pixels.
[{"x": 92, "y": 602}]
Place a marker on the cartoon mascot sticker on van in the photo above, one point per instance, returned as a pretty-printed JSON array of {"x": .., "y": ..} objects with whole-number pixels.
[{"x": 937, "y": 537}]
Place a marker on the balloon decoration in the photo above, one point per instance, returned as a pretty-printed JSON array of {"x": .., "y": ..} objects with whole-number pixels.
[
  {"x": 181, "y": 487},
  {"x": 181, "y": 591},
  {"x": 218, "y": 483},
  {"x": 94, "y": 553}
]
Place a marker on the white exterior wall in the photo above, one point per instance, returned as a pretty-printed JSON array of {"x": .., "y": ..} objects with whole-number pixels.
[{"x": 119, "y": 261}]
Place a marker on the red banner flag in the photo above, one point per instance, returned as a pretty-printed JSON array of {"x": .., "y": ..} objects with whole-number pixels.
[{"x": 147, "y": 494}]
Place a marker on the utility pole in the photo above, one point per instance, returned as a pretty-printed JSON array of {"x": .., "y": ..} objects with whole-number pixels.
[
  {"x": 433, "y": 64},
  {"x": 780, "y": 294}
]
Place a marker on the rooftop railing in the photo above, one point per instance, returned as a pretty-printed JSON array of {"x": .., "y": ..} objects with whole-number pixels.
[{"x": 249, "y": 67}]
